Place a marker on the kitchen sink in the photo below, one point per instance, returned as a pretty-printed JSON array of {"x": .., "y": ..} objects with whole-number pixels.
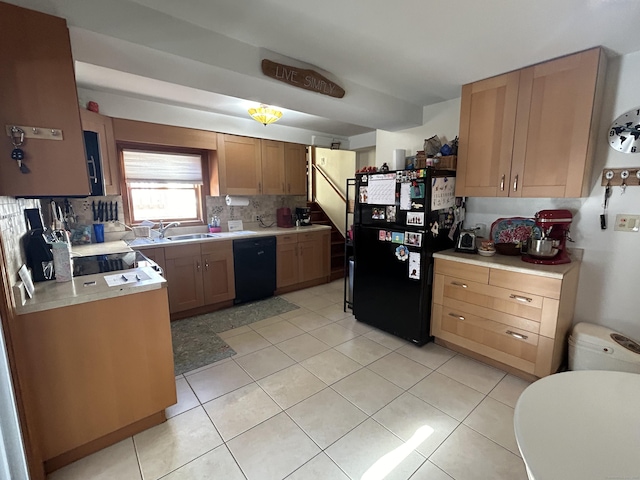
[{"x": 192, "y": 236}]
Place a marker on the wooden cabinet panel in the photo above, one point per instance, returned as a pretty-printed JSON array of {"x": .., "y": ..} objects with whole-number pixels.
[
  {"x": 184, "y": 275},
  {"x": 555, "y": 118},
  {"x": 287, "y": 268},
  {"x": 38, "y": 89},
  {"x": 532, "y": 132},
  {"x": 295, "y": 165},
  {"x": 487, "y": 123},
  {"x": 103, "y": 126},
  {"x": 134, "y": 131},
  {"x": 519, "y": 319},
  {"x": 240, "y": 165},
  {"x": 218, "y": 278},
  {"x": 311, "y": 257},
  {"x": 273, "y": 171},
  {"x": 93, "y": 372}
]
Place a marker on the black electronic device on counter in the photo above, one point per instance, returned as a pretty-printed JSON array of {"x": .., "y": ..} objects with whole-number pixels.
[
  {"x": 38, "y": 246},
  {"x": 401, "y": 219},
  {"x": 303, "y": 216}
]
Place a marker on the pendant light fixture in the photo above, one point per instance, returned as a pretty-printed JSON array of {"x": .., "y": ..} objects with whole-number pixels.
[{"x": 265, "y": 114}]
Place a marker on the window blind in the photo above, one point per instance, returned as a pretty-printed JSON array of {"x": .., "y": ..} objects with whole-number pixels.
[{"x": 155, "y": 167}]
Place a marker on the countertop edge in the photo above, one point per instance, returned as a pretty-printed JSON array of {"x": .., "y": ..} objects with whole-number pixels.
[
  {"x": 514, "y": 263},
  {"x": 59, "y": 295}
]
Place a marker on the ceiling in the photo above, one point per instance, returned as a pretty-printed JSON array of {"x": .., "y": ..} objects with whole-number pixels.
[{"x": 392, "y": 58}]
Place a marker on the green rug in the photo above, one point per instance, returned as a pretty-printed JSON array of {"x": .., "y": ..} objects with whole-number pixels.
[{"x": 195, "y": 343}]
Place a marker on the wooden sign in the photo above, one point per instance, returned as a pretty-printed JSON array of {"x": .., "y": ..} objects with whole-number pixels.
[{"x": 302, "y": 78}]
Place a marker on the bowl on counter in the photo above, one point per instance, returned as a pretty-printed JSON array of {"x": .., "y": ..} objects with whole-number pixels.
[
  {"x": 486, "y": 253},
  {"x": 512, "y": 249}
]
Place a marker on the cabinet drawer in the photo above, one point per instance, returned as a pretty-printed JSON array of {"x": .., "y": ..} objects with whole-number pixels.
[
  {"x": 303, "y": 237},
  {"x": 287, "y": 239},
  {"x": 534, "y": 284},
  {"x": 224, "y": 247},
  {"x": 496, "y": 298},
  {"x": 472, "y": 273},
  {"x": 180, "y": 251},
  {"x": 508, "y": 345}
]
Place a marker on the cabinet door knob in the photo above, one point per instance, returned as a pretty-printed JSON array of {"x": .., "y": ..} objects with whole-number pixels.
[
  {"x": 206, "y": 264},
  {"x": 458, "y": 284},
  {"x": 517, "y": 335},
  {"x": 455, "y": 315},
  {"x": 515, "y": 184},
  {"x": 520, "y": 298},
  {"x": 502, "y": 183},
  {"x": 198, "y": 266}
]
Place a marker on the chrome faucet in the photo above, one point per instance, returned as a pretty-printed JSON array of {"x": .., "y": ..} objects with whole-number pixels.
[{"x": 163, "y": 228}]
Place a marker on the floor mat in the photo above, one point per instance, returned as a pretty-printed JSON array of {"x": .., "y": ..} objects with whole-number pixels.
[{"x": 195, "y": 343}]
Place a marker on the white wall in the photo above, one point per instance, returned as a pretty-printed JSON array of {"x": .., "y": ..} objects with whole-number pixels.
[
  {"x": 339, "y": 165},
  {"x": 441, "y": 119},
  {"x": 610, "y": 271}
]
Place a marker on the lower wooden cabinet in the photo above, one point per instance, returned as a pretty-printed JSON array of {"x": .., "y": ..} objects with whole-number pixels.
[
  {"x": 92, "y": 369},
  {"x": 518, "y": 319},
  {"x": 303, "y": 257},
  {"x": 199, "y": 274}
]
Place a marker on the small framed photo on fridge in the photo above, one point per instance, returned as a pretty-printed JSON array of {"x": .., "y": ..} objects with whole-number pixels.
[
  {"x": 415, "y": 219},
  {"x": 413, "y": 239}
]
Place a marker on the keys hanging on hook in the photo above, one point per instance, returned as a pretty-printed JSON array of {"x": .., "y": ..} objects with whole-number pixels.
[
  {"x": 624, "y": 175},
  {"x": 17, "y": 154}
]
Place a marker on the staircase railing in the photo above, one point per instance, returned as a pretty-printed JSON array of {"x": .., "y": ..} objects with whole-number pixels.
[{"x": 330, "y": 198}]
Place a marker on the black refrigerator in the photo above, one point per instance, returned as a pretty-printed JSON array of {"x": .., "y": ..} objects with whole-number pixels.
[{"x": 401, "y": 218}]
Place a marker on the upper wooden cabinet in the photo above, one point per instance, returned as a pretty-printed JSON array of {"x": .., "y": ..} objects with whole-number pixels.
[
  {"x": 295, "y": 169},
  {"x": 103, "y": 126},
  {"x": 250, "y": 166},
  {"x": 38, "y": 89},
  {"x": 531, "y": 133}
]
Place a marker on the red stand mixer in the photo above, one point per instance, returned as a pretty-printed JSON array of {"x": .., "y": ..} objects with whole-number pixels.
[{"x": 550, "y": 249}]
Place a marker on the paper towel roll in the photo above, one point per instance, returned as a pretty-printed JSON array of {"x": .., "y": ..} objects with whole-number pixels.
[
  {"x": 398, "y": 163},
  {"x": 237, "y": 201}
]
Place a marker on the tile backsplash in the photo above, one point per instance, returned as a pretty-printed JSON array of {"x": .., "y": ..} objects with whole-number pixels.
[
  {"x": 262, "y": 205},
  {"x": 13, "y": 229}
]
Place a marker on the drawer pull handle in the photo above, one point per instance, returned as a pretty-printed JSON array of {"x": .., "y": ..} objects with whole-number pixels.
[
  {"x": 455, "y": 315},
  {"x": 458, "y": 284},
  {"x": 520, "y": 298},
  {"x": 515, "y": 184},
  {"x": 502, "y": 184},
  {"x": 517, "y": 335}
]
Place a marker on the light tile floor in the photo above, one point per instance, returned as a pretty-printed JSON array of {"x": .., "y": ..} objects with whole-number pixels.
[{"x": 314, "y": 394}]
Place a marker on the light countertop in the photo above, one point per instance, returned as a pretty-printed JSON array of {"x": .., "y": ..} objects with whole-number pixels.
[
  {"x": 88, "y": 288},
  {"x": 105, "y": 248},
  {"x": 154, "y": 242},
  {"x": 514, "y": 263}
]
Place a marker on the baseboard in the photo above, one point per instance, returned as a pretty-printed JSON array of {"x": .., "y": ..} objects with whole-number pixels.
[
  {"x": 300, "y": 286},
  {"x": 98, "y": 444},
  {"x": 201, "y": 310}
]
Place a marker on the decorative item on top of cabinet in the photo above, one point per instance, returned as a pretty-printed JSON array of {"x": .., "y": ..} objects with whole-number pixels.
[
  {"x": 531, "y": 132},
  {"x": 520, "y": 320},
  {"x": 40, "y": 91},
  {"x": 103, "y": 127}
]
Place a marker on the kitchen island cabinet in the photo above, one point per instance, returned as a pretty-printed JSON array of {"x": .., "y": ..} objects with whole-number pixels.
[
  {"x": 95, "y": 372},
  {"x": 38, "y": 89},
  {"x": 531, "y": 133},
  {"x": 504, "y": 311}
]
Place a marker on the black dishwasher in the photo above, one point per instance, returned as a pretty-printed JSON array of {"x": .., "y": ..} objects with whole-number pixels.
[{"x": 254, "y": 262}]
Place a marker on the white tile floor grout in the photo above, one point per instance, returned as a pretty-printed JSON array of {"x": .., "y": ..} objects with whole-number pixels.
[{"x": 314, "y": 394}]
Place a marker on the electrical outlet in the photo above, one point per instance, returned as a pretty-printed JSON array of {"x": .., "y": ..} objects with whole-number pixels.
[
  {"x": 627, "y": 223},
  {"x": 257, "y": 218}
]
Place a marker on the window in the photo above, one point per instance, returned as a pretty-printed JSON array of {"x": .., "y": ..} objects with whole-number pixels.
[{"x": 163, "y": 185}]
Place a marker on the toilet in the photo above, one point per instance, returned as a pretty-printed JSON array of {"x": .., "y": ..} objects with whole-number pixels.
[
  {"x": 585, "y": 423},
  {"x": 594, "y": 347}
]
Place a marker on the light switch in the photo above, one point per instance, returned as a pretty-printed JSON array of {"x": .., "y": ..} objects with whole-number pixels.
[{"x": 627, "y": 223}]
